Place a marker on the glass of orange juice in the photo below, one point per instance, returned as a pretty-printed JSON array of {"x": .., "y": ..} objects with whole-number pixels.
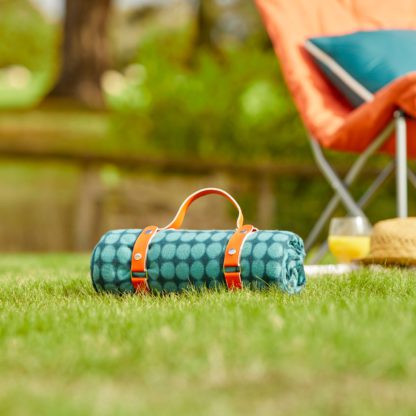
[{"x": 349, "y": 238}]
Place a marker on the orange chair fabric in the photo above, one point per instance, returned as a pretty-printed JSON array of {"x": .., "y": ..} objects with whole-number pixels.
[{"x": 327, "y": 115}]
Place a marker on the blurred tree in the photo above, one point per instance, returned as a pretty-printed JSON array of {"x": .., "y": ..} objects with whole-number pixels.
[
  {"x": 205, "y": 20},
  {"x": 84, "y": 52},
  {"x": 206, "y": 15}
]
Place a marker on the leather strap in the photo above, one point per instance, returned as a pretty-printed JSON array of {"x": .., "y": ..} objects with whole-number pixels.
[
  {"x": 180, "y": 215},
  {"x": 232, "y": 269},
  {"x": 138, "y": 259}
]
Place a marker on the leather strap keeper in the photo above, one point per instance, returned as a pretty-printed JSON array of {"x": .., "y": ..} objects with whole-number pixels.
[
  {"x": 138, "y": 259},
  {"x": 232, "y": 257}
]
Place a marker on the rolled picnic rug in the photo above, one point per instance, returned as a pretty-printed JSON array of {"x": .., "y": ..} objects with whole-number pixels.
[{"x": 173, "y": 260}]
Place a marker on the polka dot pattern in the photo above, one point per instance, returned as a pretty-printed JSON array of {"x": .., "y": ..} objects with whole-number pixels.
[
  {"x": 182, "y": 271},
  {"x": 168, "y": 251},
  {"x": 167, "y": 270},
  {"x": 128, "y": 238},
  {"x": 180, "y": 259},
  {"x": 183, "y": 251},
  {"x": 124, "y": 254}
]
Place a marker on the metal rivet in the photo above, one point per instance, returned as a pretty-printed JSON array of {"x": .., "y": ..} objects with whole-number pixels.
[
  {"x": 232, "y": 251},
  {"x": 149, "y": 232},
  {"x": 137, "y": 256}
]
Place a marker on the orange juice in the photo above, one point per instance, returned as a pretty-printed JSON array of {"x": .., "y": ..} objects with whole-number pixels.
[{"x": 346, "y": 248}]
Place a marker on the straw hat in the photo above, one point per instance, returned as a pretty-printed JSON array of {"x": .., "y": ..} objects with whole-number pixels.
[{"x": 393, "y": 242}]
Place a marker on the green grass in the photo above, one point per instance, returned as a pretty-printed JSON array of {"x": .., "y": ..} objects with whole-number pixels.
[{"x": 345, "y": 346}]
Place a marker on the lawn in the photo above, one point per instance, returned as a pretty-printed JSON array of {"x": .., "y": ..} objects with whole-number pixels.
[{"x": 345, "y": 346}]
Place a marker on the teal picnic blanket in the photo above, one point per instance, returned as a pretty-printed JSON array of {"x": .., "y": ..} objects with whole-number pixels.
[{"x": 178, "y": 260}]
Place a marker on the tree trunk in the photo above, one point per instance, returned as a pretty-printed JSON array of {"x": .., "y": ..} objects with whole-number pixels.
[
  {"x": 205, "y": 20},
  {"x": 85, "y": 52},
  {"x": 204, "y": 24}
]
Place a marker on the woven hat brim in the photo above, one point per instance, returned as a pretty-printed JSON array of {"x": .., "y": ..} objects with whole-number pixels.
[{"x": 388, "y": 261}]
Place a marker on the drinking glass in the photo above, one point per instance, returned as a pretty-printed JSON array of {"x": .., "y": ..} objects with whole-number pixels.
[{"x": 349, "y": 238}]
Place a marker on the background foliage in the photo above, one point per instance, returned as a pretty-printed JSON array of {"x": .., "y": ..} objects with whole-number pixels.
[
  {"x": 235, "y": 109},
  {"x": 168, "y": 98}
]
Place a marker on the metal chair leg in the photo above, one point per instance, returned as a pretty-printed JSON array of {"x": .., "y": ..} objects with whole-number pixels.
[
  {"x": 336, "y": 183},
  {"x": 362, "y": 203},
  {"x": 412, "y": 177},
  {"x": 401, "y": 164},
  {"x": 349, "y": 179},
  {"x": 376, "y": 185}
]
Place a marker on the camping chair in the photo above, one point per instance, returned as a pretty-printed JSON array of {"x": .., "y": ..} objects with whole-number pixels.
[{"x": 384, "y": 124}]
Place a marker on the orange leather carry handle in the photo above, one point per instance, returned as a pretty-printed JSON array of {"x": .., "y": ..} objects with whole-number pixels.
[{"x": 180, "y": 215}]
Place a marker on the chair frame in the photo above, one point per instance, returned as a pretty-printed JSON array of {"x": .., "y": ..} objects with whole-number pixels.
[{"x": 341, "y": 187}]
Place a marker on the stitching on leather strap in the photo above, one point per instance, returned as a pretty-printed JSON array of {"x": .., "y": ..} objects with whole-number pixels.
[
  {"x": 232, "y": 257},
  {"x": 138, "y": 259}
]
